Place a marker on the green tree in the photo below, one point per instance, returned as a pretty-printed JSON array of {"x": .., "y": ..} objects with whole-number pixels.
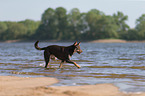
[
  {"x": 47, "y": 28},
  {"x": 100, "y": 26},
  {"x": 109, "y": 27},
  {"x": 3, "y": 28},
  {"x": 93, "y": 19},
  {"x": 31, "y": 26},
  {"x": 140, "y": 27},
  {"x": 132, "y": 34},
  {"x": 14, "y": 31},
  {"x": 62, "y": 24},
  {"x": 53, "y": 25},
  {"x": 74, "y": 23},
  {"x": 120, "y": 20}
]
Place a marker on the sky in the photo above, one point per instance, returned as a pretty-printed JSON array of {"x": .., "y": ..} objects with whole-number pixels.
[{"x": 18, "y": 10}]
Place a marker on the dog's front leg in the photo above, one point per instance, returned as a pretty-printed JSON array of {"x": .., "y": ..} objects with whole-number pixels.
[
  {"x": 61, "y": 64},
  {"x": 69, "y": 61}
]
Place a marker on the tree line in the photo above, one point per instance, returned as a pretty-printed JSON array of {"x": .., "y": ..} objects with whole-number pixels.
[
  {"x": 59, "y": 24},
  {"x": 18, "y": 30}
]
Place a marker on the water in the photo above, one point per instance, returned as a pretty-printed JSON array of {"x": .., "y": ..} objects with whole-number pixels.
[{"x": 122, "y": 64}]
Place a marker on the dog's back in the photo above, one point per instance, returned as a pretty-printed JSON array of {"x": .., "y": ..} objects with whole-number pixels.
[{"x": 61, "y": 52}]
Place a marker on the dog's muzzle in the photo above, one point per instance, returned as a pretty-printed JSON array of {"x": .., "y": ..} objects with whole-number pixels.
[{"x": 79, "y": 51}]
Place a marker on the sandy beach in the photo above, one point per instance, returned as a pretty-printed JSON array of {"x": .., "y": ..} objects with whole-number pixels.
[
  {"x": 109, "y": 41},
  {"x": 26, "y": 86}
]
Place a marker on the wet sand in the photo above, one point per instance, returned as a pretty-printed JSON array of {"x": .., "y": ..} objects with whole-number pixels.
[{"x": 23, "y": 86}]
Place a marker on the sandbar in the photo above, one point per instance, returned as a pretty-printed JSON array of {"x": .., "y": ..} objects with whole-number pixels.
[{"x": 42, "y": 86}]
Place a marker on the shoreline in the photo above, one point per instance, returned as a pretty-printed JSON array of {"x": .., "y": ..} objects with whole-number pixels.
[
  {"x": 92, "y": 41},
  {"x": 40, "y": 86},
  {"x": 116, "y": 41}
]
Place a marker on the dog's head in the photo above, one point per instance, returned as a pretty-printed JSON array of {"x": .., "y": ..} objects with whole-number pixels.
[{"x": 77, "y": 48}]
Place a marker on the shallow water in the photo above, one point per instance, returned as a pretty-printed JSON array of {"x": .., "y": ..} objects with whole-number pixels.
[{"x": 122, "y": 64}]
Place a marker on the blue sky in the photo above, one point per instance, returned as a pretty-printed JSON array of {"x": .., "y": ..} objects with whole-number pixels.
[{"x": 17, "y": 10}]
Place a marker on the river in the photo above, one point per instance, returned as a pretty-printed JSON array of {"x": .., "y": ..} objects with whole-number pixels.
[{"x": 122, "y": 64}]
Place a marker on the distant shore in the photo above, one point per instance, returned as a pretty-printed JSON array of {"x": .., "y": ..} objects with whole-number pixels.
[
  {"x": 115, "y": 41},
  {"x": 109, "y": 41},
  {"x": 27, "y": 86},
  {"x": 93, "y": 41}
]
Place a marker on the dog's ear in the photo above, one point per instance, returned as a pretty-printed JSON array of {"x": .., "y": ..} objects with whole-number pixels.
[
  {"x": 78, "y": 43},
  {"x": 75, "y": 44}
]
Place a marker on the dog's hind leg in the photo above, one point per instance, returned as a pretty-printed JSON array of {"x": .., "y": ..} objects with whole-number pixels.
[
  {"x": 69, "y": 61},
  {"x": 47, "y": 58}
]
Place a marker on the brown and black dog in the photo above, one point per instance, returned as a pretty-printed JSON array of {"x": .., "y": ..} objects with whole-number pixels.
[{"x": 61, "y": 52}]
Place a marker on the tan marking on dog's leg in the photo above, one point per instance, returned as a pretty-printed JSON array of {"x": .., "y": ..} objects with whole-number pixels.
[
  {"x": 47, "y": 66},
  {"x": 76, "y": 65},
  {"x": 69, "y": 61},
  {"x": 61, "y": 65}
]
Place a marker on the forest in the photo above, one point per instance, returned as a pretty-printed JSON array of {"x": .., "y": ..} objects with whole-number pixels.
[{"x": 60, "y": 24}]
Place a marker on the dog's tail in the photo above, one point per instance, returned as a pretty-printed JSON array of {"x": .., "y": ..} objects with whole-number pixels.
[{"x": 38, "y": 48}]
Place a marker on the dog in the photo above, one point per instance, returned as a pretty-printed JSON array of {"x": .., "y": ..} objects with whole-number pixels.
[{"x": 61, "y": 52}]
